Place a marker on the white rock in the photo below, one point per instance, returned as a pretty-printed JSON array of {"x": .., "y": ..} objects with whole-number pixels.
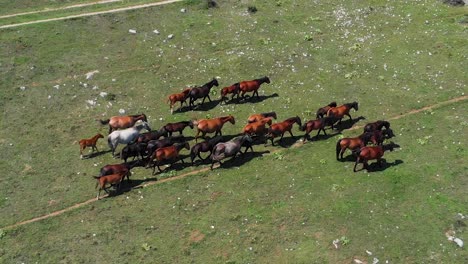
[
  {"x": 170, "y": 36},
  {"x": 22, "y": 88},
  {"x": 121, "y": 111},
  {"x": 375, "y": 261},
  {"x": 90, "y": 74},
  {"x": 369, "y": 253},
  {"x": 91, "y": 102},
  {"x": 103, "y": 94},
  {"x": 183, "y": 10},
  {"x": 57, "y": 86},
  {"x": 156, "y": 32},
  {"x": 358, "y": 261},
  {"x": 132, "y": 31}
]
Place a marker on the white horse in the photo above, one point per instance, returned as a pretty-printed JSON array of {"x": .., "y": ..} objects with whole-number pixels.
[
  {"x": 126, "y": 136},
  {"x": 228, "y": 149}
]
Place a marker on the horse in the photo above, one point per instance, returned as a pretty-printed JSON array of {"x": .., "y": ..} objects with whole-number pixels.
[
  {"x": 117, "y": 122},
  {"x": 112, "y": 179},
  {"x": 119, "y": 168},
  {"x": 367, "y": 153},
  {"x": 257, "y": 128},
  {"x": 177, "y": 127},
  {"x": 89, "y": 143},
  {"x": 125, "y": 136},
  {"x": 178, "y": 97},
  {"x": 378, "y": 136},
  {"x": 319, "y": 124},
  {"x": 228, "y": 149},
  {"x": 257, "y": 117},
  {"x": 233, "y": 89},
  {"x": 377, "y": 125},
  {"x": 252, "y": 86},
  {"x": 152, "y": 135},
  {"x": 133, "y": 150},
  {"x": 280, "y": 128},
  {"x": 204, "y": 146},
  {"x": 212, "y": 125},
  {"x": 170, "y": 154},
  {"x": 340, "y": 111},
  {"x": 201, "y": 92},
  {"x": 352, "y": 144},
  {"x": 153, "y": 145},
  {"x": 322, "y": 111}
]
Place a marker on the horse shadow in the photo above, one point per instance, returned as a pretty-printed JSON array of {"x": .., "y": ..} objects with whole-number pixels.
[
  {"x": 286, "y": 142},
  {"x": 206, "y": 106},
  {"x": 347, "y": 124},
  {"x": 322, "y": 136},
  {"x": 241, "y": 159},
  {"x": 96, "y": 154},
  {"x": 374, "y": 167},
  {"x": 127, "y": 186},
  {"x": 253, "y": 99}
]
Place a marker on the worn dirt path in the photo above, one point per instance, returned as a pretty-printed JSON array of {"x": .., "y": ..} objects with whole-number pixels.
[{"x": 78, "y": 205}]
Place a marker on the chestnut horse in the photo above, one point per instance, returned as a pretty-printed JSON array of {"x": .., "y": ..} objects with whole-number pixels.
[
  {"x": 177, "y": 127},
  {"x": 318, "y": 124},
  {"x": 252, "y": 86},
  {"x": 89, "y": 143},
  {"x": 112, "y": 179},
  {"x": 228, "y": 149},
  {"x": 257, "y": 117},
  {"x": 257, "y": 128},
  {"x": 370, "y": 153},
  {"x": 352, "y": 144},
  {"x": 117, "y": 122},
  {"x": 233, "y": 89},
  {"x": 280, "y": 128},
  {"x": 205, "y": 146},
  {"x": 212, "y": 125},
  {"x": 153, "y": 145},
  {"x": 170, "y": 154},
  {"x": 322, "y": 111},
  {"x": 178, "y": 97},
  {"x": 342, "y": 110},
  {"x": 201, "y": 92},
  {"x": 377, "y": 125}
]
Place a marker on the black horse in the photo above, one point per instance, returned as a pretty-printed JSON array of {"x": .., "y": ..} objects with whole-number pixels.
[{"x": 201, "y": 92}]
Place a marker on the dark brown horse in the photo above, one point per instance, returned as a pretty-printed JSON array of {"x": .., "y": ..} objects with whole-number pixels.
[
  {"x": 280, "y": 128},
  {"x": 153, "y": 145},
  {"x": 367, "y": 153},
  {"x": 318, "y": 124},
  {"x": 212, "y": 125},
  {"x": 152, "y": 135},
  {"x": 257, "y": 117},
  {"x": 340, "y": 111},
  {"x": 205, "y": 146},
  {"x": 252, "y": 86},
  {"x": 117, "y": 122},
  {"x": 201, "y": 92},
  {"x": 378, "y": 136},
  {"x": 177, "y": 127},
  {"x": 377, "y": 125},
  {"x": 352, "y": 144},
  {"x": 89, "y": 143},
  {"x": 119, "y": 168},
  {"x": 178, "y": 97},
  {"x": 322, "y": 111},
  {"x": 168, "y": 154},
  {"x": 233, "y": 89}
]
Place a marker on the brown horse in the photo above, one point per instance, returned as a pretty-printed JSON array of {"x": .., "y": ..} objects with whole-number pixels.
[
  {"x": 342, "y": 110},
  {"x": 170, "y": 154},
  {"x": 205, "y": 146},
  {"x": 113, "y": 179},
  {"x": 352, "y": 144},
  {"x": 233, "y": 89},
  {"x": 318, "y": 124},
  {"x": 378, "y": 136},
  {"x": 280, "y": 128},
  {"x": 152, "y": 135},
  {"x": 370, "y": 153},
  {"x": 257, "y": 128},
  {"x": 322, "y": 111},
  {"x": 257, "y": 117},
  {"x": 252, "y": 86},
  {"x": 89, "y": 143},
  {"x": 201, "y": 92},
  {"x": 177, "y": 127},
  {"x": 117, "y": 122},
  {"x": 212, "y": 125},
  {"x": 178, "y": 97},
  {"x": 377, "y": 125}
]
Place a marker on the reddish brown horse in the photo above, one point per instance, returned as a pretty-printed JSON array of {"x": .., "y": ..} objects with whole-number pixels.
[
  {"x": 113, "y": 179},
  {"x": 322, "y": 111},
  {"x": 177, "y": 127},
  {"x": 233, "y": 89},
  {"x": 257, "y": 117},
  {"x": 168, "y": 154},
  {"x": 352, "y": 144},
  {"x": 340, "y": 111},
  {"x": 280, "y": 128},
  {"x": 89, "y": 143},
  {"x": 377, "y": 125},
  {"x": 117, "y": 122},
  {"x": 212, "y": 125},
  {"x": 318, "y": 124},
  {"x": 374, "y": 152},
  {"x": 252, "y": 86},
  {"x": 178, "y": 97},
  {"x": 257, "y": 128}
]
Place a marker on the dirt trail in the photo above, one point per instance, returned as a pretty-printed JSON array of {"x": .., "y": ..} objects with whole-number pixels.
[
  {"x": 92, "y": 13},
  {"x": 78, "y": 205}
]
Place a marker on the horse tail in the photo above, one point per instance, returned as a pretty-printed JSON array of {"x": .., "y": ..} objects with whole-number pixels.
[
  {"x": 104, "y": 122},
  {"x": 338, "y": 147}
]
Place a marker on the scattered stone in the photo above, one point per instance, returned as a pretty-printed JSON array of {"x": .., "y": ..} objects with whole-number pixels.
[
  {"x": 156, "y": 32},
  {"x": 103, "y": 94},
  {"x": 121, "y": 111},
  {"x": 132, "y": 31},
  {"x": 91, "y": 102},
  {"x": 90, "y": 74},
  {"x": 183, "y": 10},
  {"x": 22, "y": 88},
  {"x": 456, "y": 240},
  {"x": 170, "y": 36},
  {"x": 57, "y": 86}
]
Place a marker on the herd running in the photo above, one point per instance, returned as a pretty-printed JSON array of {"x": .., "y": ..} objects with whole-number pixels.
[{"x": 156, "y": 148}]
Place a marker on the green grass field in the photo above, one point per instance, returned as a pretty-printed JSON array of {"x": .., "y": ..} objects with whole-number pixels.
[{"x": 281, "y": 204}]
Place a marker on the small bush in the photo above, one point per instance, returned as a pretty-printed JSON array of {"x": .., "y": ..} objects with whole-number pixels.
[{"x": 252, "y": 9}]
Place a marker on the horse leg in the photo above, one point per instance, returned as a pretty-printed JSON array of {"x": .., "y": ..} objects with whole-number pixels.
[
  {"x": 290, "y": 132},
  {"x": 209, "y": 97},
  {"x": 355, "y": 164},
  {"x": 81, "y": 151},
  {"x": 350, "y": 117}
]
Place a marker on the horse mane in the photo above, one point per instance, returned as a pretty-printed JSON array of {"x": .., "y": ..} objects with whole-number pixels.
[
  {"x": 263, "y": 79},
  {"x": 332, "y": 104},
  {"x": 268, "y": 114}
]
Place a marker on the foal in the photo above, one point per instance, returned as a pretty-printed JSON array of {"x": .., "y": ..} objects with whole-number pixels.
[
  {"x": 178, "y": 97},
  {"x": 89, "y": 143},
  {"x": 322, "y": 111},
  {"x": 109, "y": 179},
  {"x": 233, "y": 89},
  {"x": 370, "y": 153}
]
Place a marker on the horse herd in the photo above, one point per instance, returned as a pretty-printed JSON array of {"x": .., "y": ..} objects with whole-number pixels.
[{"x": 160, "y": 147}]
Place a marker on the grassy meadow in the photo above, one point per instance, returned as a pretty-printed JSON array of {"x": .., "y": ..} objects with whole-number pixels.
[{"x": 281, "y": 204}]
